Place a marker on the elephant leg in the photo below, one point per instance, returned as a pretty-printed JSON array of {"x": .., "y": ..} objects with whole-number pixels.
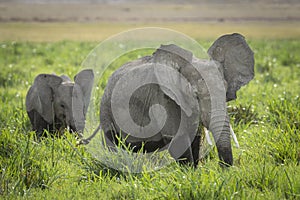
[
  {"x": 145, "y": 146},
  {"x": 114, "y": 139},
  {"x": 39, "y": 124},
  {"x": 111, "y": 139},
  {"x": 191, "y": 155},
  {"x": 151, "y": 146}
]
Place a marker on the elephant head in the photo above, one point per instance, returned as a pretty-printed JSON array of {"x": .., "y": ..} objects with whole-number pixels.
[
  {"x": 54, "y": 102},
  {"x": 194, "y": 92},
  {"x": 235, "y": 60}
]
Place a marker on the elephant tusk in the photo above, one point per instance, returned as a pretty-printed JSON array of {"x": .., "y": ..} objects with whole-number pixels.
[
  {"x": 206, "y": 131},
  {"x": 231, "y": 132},
  {"x": 234, "y": 137}
]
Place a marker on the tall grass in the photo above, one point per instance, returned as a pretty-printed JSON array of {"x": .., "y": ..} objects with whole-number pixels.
[{"x": 265, "y": 117}]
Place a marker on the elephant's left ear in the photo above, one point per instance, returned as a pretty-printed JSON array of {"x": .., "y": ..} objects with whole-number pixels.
[
  {"x": 85, "y": 81},
  {"x": 237, "y": 59}
]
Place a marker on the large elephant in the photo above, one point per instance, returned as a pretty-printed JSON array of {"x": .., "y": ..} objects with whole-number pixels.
[
  {"x": 161, "y": 101},
  {"x": 54, "y": 102}
]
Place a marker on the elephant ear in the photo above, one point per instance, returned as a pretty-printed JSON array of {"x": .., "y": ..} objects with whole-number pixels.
[
  {"x": 237, "y": 59},
  {"x": 40, "y": 95},
  {"x": 84, "y": 81},
  {"x": 176, "y": 58}
]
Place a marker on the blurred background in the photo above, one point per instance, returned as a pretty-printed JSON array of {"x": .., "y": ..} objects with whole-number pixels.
[{"x": 94, "y": 20}]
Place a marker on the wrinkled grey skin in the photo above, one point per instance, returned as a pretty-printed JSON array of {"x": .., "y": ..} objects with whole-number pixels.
[
  {"x": 54, "y": 102},
  {"x": 229, "y": 54}
]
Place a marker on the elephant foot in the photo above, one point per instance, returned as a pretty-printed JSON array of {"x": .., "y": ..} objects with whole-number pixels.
[{"x": 191, "y": 155}]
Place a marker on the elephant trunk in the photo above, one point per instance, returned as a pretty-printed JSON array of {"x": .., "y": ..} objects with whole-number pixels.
[
  {"x": 79, "y": 127},
  {"x": 77, "y": 124},
  {"x": 77, "y": 119},
  {"x": 220, "y": 127}
]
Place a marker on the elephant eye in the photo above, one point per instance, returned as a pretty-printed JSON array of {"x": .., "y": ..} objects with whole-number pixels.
[{"x": 62, "y": 105}]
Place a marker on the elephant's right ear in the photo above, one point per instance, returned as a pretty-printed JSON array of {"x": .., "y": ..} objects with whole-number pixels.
[
  {"x": 40, "y": 95},
  {"x": 237, "y": 59}
]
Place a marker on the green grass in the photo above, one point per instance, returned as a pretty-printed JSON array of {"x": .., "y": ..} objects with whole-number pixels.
[{"x": 265, "y": 117}]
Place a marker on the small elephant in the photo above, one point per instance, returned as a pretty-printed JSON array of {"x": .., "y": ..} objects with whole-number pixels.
[
  {"x": 176, "y": 94},
  {"x": 54, "y": 102}
]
